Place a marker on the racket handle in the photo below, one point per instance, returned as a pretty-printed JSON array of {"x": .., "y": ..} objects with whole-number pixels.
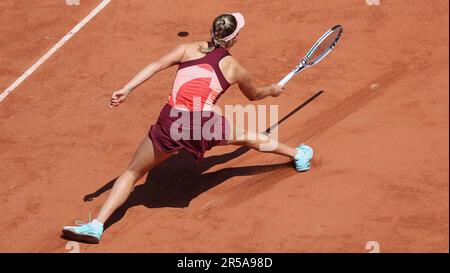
[{"x": 286, "y": 78}]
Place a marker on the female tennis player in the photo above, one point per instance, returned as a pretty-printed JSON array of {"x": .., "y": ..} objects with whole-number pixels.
[{"x": 206, "y": 70}]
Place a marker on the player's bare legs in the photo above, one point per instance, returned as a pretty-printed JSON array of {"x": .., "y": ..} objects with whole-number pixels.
[
  {"x": 301, "y": 155},
  {"x": 144, "y": 159},
  {"x": 263, "y": 143}
]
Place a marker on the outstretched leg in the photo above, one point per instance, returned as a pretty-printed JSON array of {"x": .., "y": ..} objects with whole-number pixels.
[
  {"x": 257, "y": 140},
  {"x": 260, "y": 142},
  {"x": 144, "y": 159}
]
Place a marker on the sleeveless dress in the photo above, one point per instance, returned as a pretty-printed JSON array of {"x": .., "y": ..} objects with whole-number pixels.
[{"x": 188, "y": 121}]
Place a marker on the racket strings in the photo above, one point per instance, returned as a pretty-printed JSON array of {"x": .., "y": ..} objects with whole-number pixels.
[
  {"x": 324, "y": 45},
  {"x": 317, "y": 52}
]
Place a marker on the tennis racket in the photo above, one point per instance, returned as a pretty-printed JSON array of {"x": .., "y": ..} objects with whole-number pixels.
[{"x": 320, "y": 49}]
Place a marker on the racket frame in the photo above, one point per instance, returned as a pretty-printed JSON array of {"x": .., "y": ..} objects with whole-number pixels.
[{"x": 304, "y": 62}]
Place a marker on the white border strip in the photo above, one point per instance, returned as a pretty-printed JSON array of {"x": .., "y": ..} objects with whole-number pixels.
[{"x": 61, "y": 42}]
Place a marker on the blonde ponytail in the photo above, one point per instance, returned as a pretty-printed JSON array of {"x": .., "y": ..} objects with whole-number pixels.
[{"x": 223, "y": 26}]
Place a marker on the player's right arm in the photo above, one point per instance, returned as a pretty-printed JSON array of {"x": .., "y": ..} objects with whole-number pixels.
[{"x": 244, "y": 81}]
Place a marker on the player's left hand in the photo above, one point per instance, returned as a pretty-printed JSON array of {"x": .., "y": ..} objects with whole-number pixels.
[{"x": 118, "y": 97}]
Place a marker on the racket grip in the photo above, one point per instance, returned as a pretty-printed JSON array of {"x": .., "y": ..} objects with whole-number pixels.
[{"x": 286, "y": 78}]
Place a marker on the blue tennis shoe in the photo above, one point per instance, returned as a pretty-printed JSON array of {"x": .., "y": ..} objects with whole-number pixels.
[
  {"x": 90, "y": 233},
  {"x": 303, "y": 158}
]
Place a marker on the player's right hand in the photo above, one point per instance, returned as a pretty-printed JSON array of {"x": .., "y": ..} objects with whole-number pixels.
[
  {"x": 276, "y": 90},
  {"x": 118, "y": 97}
]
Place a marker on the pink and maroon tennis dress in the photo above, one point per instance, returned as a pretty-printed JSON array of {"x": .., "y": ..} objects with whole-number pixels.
[{"x": 197, "y": 87}]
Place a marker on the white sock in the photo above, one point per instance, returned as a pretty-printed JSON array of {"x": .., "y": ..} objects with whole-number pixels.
[{"x": 97, "y": 225}]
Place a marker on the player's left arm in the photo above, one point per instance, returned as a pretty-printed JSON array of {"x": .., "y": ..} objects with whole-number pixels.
[{"x": 173, "y": 57}]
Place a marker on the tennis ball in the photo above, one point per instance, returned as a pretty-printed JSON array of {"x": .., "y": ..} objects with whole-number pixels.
[{"x": 374, "y": 86}]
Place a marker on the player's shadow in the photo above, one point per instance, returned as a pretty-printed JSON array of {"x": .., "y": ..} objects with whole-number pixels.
[{"x": 179, "y": 179}]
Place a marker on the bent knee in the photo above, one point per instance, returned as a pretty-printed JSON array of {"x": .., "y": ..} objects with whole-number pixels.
[{"x": 137, "y": 171}]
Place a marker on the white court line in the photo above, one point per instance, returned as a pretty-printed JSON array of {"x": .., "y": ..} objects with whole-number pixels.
[{"x": 47, "y": 55}]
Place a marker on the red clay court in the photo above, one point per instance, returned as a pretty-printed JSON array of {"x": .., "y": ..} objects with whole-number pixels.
[{"x": 380, "y": 171}]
